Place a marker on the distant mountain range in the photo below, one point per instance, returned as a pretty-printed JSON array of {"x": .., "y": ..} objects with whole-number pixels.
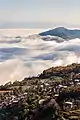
[{"x": 62, "y": 33}]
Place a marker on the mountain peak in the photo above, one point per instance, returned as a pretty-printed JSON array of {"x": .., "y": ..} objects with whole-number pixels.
[
  {"x": 63, "y": 33},
  {"x": 60, "y": 28}
]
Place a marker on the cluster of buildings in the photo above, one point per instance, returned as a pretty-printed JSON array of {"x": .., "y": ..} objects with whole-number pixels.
[
  {"x": 8, "y": 98},
  {"x": 53, "y": 89},
  {"x": 40, "y": 90}
]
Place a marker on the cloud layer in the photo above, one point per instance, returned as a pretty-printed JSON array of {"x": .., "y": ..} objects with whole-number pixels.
[{"x": 30, "y": 56}]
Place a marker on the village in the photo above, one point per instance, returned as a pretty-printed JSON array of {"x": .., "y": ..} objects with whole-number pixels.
[{"x": 35, "y": 92}]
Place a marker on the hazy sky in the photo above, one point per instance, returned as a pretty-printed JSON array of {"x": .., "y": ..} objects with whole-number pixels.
[{"x": 39, "y": 13}]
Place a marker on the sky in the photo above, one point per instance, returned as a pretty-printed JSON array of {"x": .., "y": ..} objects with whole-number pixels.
[{"x": 39, "y": 13}]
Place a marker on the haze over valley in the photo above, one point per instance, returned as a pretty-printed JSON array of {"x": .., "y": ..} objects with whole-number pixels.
[{"x": 25, "y": 53}]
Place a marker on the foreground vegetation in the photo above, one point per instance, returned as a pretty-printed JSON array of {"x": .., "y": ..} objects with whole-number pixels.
[{"x": 53, "y": 95}]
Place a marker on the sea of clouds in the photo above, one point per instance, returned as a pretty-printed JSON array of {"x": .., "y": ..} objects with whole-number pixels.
[{"x": 29, "y": 56}]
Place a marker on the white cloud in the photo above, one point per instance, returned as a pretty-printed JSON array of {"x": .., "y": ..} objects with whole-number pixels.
[{"x": 31, "y": 56}]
